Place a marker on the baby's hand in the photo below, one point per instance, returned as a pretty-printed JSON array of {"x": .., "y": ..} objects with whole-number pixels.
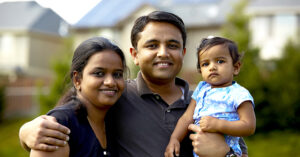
[
  {"x": 173, "y": 146},
  {"x": 208, "y": 124}
]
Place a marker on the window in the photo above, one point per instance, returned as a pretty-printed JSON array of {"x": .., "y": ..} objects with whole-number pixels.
[
  {"x": 1, "y": 38},
  {"x": 285, "y": 26}
]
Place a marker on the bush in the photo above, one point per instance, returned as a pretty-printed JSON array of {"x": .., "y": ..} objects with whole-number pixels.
[
  {"x": 2, "y": 101},
  {"x": 282, "y": 106}
]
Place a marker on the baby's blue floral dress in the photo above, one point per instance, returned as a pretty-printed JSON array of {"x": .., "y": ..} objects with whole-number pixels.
[{"x": 221, "y": 103}]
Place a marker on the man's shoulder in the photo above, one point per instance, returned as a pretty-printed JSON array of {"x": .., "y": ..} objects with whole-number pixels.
[
  {"x": 131, "y": 82},
  {"x": 131, "y": 85}
]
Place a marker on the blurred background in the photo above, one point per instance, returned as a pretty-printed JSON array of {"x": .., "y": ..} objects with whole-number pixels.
[{"x": 37, "y": 39}]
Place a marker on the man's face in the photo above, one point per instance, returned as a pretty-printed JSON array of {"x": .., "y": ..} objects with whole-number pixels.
[{"x": 159, "y": 52}]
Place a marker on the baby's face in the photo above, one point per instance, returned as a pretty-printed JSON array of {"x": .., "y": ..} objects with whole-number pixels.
[{"x": 217, "y": 67}]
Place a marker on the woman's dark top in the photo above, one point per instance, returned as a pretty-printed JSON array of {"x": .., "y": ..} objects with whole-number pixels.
[{"x": 83, "y": 141}]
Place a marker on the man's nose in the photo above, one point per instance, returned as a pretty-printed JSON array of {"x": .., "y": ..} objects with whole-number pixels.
[{"x": 162, "y": 51}]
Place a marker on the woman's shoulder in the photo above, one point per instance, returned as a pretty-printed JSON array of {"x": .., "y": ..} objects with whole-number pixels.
[
  {"x": 64, "y": 114},
  {"x": 67, "y": 108}
]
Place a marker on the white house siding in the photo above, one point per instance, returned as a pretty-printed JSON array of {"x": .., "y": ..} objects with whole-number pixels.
[
  {"x": 13, "y": 52},
  {"x": 43, "y": 50},
  {"x": 271, "y": 32}
]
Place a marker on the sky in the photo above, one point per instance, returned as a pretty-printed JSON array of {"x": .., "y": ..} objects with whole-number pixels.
[{"x": 69, "y": 10}]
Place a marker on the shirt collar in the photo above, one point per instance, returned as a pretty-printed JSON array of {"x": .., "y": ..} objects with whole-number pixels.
[{"x": 143, "y": 89}]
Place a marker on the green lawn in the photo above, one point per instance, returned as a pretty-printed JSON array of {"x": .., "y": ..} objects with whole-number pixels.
[
  {"x": 276, "y": 144},
  {"x": 9, "y": 141}
]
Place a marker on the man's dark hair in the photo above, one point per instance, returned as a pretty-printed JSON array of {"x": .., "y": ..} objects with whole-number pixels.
[{"x": 156, "y": 16}]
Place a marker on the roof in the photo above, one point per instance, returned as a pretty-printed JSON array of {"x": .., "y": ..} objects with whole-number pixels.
[
  {"x": 28, "y": 15},
  {"x": 109, "y": 13},
  {"x": 273, "y": 6}
]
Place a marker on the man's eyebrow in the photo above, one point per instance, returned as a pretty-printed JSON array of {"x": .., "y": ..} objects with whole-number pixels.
[
  {"x": 151, "y": 41},
  {"x": 173, "y": 40}
]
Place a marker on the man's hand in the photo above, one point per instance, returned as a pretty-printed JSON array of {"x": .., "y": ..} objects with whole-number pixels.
[
  {"x": 208, "y": 144},
  {"x": 43, "y": 133}
]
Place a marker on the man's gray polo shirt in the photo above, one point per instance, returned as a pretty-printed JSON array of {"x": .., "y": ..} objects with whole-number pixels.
[{"x": 141, "y": 123}]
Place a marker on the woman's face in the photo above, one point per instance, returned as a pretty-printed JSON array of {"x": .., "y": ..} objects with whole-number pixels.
[{"x": 102, "y": 81}]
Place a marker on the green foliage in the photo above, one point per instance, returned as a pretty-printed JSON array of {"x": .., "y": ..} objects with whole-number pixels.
[
  {"x": 60, "y": 66},
  {"x": 284, "y": 89},
  {"x": 133, "y": 71},
  {"x": 236, "y": 27},
  {"x": 2, "y": 101}
]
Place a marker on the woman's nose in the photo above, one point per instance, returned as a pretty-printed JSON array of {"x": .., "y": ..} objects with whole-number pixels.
[{"x": 109, "y": 80}]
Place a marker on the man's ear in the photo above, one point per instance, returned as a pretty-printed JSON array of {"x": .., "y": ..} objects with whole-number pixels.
[
  {"x": 76, "y": 80},
  {"x": 134, "y": 56},
  {"x": 237, "y": 67},
  {"x": 183, "y": 51}
]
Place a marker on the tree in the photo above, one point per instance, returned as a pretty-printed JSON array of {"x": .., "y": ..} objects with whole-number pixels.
[
  {"x": 2, "y": 101},
  {"x": 60, "y": 66},
  {"x": 285, "y": 88}
]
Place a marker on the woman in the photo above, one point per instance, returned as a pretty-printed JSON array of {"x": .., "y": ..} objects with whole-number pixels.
[{"x": 97, "y": 76}]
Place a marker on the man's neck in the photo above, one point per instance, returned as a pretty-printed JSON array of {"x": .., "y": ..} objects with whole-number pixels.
[{"x": 167, "y": 89}]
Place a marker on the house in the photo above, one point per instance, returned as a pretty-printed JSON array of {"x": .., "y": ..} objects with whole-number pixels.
[
  {"x": 114, "y": 20},
  {"x": 273, "y": 23},
  {"x": 30, "y": 36}
]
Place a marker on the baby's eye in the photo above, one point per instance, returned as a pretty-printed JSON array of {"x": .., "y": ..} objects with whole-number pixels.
[
  {"x": 221, "y": 61},
  {"x": 204, "y": 64}
]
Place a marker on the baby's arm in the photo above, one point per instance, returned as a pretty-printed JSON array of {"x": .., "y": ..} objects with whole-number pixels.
[
  {"x": 243, "y": 127},
  {"x": 180, "y": 131}
]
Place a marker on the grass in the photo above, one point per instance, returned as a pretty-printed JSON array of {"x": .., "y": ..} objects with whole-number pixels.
[
  {"x": 9, "y": 145},
  {"x": 275, "y": 144}
]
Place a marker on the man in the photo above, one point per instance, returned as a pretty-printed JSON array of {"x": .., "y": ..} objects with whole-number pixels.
[{"x": 141, "y": 122}]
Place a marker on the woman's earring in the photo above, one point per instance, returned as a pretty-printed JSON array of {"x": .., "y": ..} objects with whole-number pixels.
[{"x": 78, "y": 87}]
